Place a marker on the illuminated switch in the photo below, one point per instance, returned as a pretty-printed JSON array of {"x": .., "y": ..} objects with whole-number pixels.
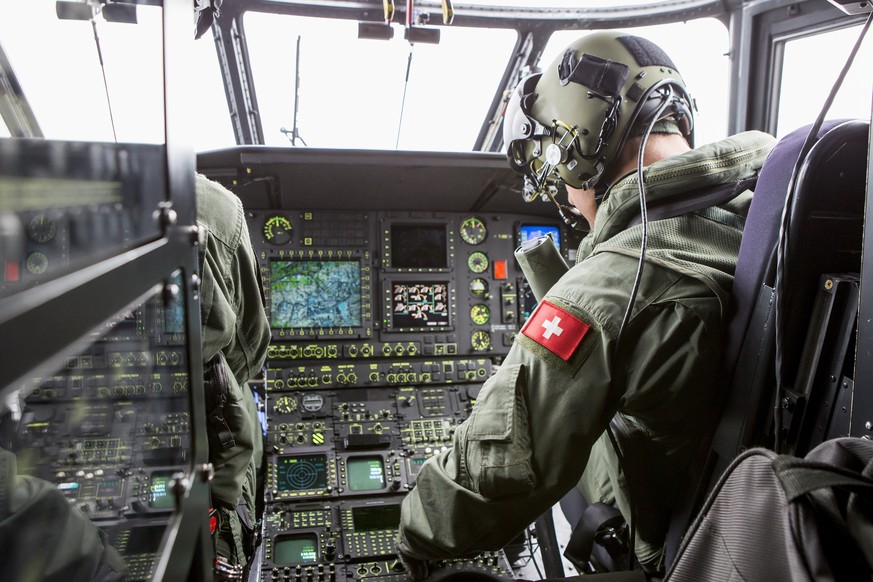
[
  {"x": 13, "y": 271},
  {"x": 499, "y": 269}
]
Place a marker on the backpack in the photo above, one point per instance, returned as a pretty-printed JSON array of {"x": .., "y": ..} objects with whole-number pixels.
[{"x": 781, "y": 518}]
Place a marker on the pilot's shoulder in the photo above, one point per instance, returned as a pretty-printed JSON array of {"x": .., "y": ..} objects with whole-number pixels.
[{"x": 219, "y": 209}]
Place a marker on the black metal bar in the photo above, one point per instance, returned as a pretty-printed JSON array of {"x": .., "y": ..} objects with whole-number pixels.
[
  {"x": 187, "y": 550},
  {"x": 46, "y": 322},
  {"x": 861, "y": 423},
  {"x": 549, "y": 549}
]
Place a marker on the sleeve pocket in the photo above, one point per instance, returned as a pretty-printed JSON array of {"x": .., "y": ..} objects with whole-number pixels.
[{"x": 497, "y": 438}]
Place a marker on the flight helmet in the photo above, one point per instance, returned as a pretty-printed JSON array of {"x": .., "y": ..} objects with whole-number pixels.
[{"x": 568, "y": 123}]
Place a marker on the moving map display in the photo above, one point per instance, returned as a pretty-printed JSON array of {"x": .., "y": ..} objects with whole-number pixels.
[{"x": 315, "y": 294}]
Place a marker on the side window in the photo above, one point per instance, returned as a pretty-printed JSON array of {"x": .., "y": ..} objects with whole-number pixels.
[{"x": 810, "y": 68}]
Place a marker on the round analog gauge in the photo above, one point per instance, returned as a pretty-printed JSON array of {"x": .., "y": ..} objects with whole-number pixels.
[
  {"x": 473, "y": 231},
  {"x": 480, "y": 314},
  {"x": 312, "y": 402},
  {"x": 41, "y": 229},
  {"x": 277, "y": 230},
  {"x": 286, "y": 404},
  {"x": 37, "y": 263},
  {"x": 481, "y": 340},
  {"x": 479, "y": 287},
  {"x": 478, "y": 262}
]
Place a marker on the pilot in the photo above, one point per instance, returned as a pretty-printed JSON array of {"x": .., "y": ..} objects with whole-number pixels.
[
  {"x": 236, "y": 335},
  {"x": 627, "y": 343}
]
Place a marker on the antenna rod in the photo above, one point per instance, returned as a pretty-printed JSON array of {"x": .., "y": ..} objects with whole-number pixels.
[
  {"x": 105, "y": 82},
  {"x": 296, "y": 93},
  {"x": 403, "y": 101}
]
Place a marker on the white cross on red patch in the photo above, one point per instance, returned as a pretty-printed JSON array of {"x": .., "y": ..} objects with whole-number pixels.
[
  {"x": 552, "y": 327},
  {"x": 555, "y": 329}
]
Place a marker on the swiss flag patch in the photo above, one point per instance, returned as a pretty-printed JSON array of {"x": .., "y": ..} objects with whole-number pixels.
[{"x": 556, "y": 330}]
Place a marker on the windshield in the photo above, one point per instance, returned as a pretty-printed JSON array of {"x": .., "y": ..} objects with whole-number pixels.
[
  {"x": 348, "y": 92},
  {"x": 356, "y": 93}
]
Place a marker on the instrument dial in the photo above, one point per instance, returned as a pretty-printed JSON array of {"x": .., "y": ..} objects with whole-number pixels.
[
  {"x": 277, "y": 230},
  {"x": 479, "y": 287},
  {"x": 478, "y": 262},
  {"x": 37, "y": 263},
  {"x": 473, "y": 231},
  {"x": 481, "y": 340},
  {"x": 312, "y": 402},
  {"x": 41, "y": 229},
  {"x": 286, "y": 404},
  {"x": 480, "y": 314}
]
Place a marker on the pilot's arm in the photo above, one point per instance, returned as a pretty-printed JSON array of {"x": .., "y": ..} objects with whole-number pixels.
[
  {"x": 46, "y": 539},
  {"x": 538, "y": 419},
  {"x": 524, "y": 445}
]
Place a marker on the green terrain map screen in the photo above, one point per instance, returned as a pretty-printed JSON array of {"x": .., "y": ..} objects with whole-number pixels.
[{"x": 315, "y": 294}]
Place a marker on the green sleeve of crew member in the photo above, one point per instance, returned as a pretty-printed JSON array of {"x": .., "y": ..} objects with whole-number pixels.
[
  {"x": 45, "y": 539},
  {"x": 533, "y": 427},
  {"x": 524, "y": 445}
]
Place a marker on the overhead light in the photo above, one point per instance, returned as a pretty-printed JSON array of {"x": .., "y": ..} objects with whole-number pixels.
[
  {"x": 86, "y": 9},
  {"x": 420, "y": 34},
  {"x": 117, "y": 12},
  {"x": 375, "y": 31},
  {"x": 74, "y": 9}
]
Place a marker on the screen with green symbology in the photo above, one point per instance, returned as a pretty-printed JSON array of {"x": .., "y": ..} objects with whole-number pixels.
[
  {"x": 295, "y": 549},
  {"x": 366, "y": 473}
]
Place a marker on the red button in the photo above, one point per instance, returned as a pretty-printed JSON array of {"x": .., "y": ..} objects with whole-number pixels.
[
  {"x": 13, "y": 271},
  {"x": 500, "y": 269}
]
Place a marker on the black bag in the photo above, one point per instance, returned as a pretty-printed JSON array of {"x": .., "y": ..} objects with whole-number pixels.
[{"x": 779, "y": 518}]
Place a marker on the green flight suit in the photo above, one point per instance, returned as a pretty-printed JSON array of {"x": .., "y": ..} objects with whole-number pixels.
[
  {"x": 539, "y": 422},
  {"x": 45, "y": 539},
  {"x": 234, "y": 325}
]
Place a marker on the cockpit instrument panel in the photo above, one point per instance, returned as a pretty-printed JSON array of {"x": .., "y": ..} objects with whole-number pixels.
[
  {"x": 375, "y": 283},
  {"x": 385, "y": 325}
]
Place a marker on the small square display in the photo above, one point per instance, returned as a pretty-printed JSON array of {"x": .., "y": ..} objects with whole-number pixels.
[
  {"x": 419, "y": 246},
  {"x": 533, "y": 231},
  {"x": 295, "y": 549},
  {"x": 366, "y": 473},
  {"x": 419, "y": 304},
  {"x": 301, "y": 473}
]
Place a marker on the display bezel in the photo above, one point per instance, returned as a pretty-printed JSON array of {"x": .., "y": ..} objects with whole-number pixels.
[
  {"x": 528, "y": 230},
  {"x": 283, "y": 537},
  {"x": 361, "y": 329},
  {"x": 392, "y": 322},
  {"x": 392, "y": 244},
  {"x": 393, "y": 472},
  {"x": 330, "y": 479}
]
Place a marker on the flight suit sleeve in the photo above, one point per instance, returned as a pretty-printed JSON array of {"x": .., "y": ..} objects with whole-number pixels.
[
  {"x": 523, "y": 447},
  {"x": 45, "y": 538},
  {"x": 530, "y": 435}
]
